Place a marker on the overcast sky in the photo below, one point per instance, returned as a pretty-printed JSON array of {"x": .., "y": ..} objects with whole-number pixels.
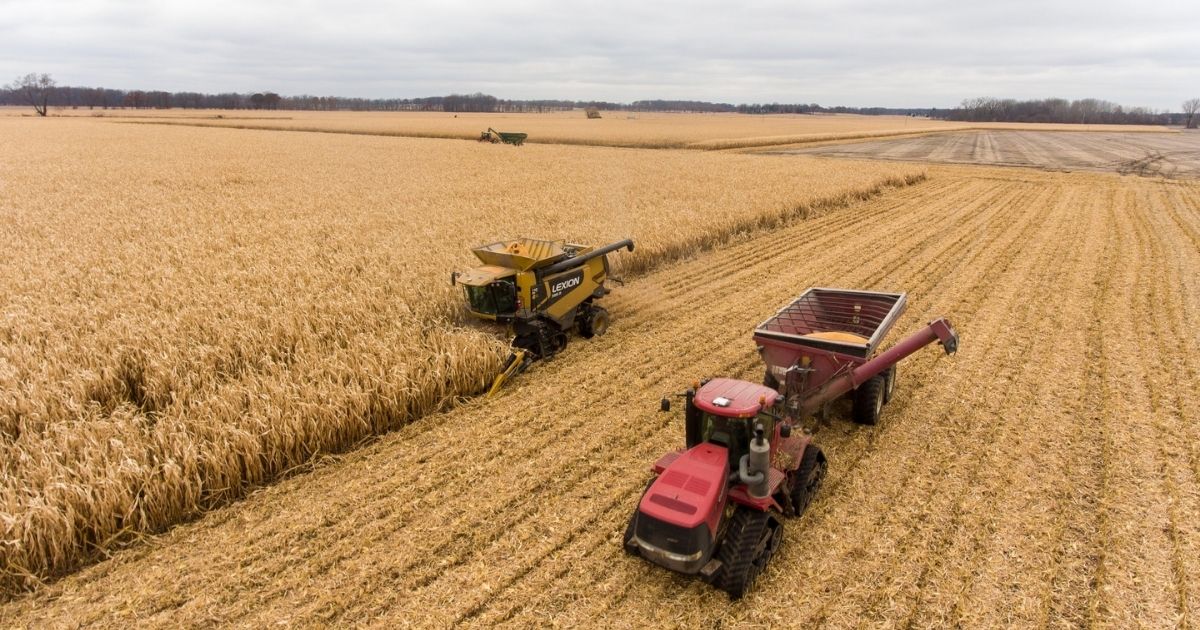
[{"x": 896, "y": 53}]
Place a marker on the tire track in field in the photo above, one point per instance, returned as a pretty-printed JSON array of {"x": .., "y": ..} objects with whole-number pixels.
[
  {"x": 1025, "y": 462},
  {"x": 1172, "y": 398},
  {"x": 1075, "y": 551},
  {"x": 1133, "y": 570},
  {"x": 926, "y": 499}
]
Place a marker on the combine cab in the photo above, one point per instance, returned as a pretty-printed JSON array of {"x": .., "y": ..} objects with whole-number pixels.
[
  {"x": 716, "y": 508},
  {"x": 542, "y": 290}
]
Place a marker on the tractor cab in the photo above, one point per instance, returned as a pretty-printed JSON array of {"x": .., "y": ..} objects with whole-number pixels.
[
  {"x": 727, "y": 412},
  {"x": 682, "y": 512},
  {"x": 491, "y": 292}
]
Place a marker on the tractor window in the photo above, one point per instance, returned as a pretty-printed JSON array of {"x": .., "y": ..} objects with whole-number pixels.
[
  {"x": 505, "y": 293},
  {"x": 481, "y": 299},
  {"x": 731, "y": 433}
]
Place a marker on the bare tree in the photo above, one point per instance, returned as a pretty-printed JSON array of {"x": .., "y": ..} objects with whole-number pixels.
[
  {"x": 36, "y": 89},
  {"x": 1191, "y": 107}
]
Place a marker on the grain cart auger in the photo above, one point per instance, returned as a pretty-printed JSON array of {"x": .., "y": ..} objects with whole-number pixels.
[
  {"x": 716, "y": 508},
  {"x": 542, "y": 290}
]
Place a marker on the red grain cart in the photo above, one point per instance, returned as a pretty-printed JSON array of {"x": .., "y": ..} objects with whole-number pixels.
[
  {"x": 715, "y": 508},
  {"x": 823, "y": 344}
]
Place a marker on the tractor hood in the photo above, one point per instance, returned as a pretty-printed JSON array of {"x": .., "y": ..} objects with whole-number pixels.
[
  {"x": 686, "y": 493},
  {"x": 677, "y": 519},
  {"x": 485, "y": 275}
]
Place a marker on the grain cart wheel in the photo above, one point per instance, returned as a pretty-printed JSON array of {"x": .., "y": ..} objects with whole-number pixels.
[
  {"x": 806, "y": 480},
  {"x": 868, "y": 401},
  {"x": 750, "y": 542},
  {"x": 594, "y": 324},
  {"x": 889, "y": 387}
]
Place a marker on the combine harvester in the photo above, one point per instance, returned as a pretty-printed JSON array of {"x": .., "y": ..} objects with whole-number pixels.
[
  {"x": 716, "y": 508},
  {"x": 542, "y": 290},
  {"x": 514, "y": 138}
]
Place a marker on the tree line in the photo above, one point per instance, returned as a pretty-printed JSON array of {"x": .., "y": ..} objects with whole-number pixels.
[
  {"x": 41, "y": 92},
  {"x": 1088, "y": 111},
  {"x": 107, "y": 98}
]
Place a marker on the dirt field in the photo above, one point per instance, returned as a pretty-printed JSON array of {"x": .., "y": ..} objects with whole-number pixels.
[
  {"x": 1049, "y": 474},
  {"x": 1167, "y": 154}
]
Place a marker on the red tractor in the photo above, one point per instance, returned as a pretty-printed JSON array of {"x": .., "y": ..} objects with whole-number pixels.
[{"x": 716, "y": 508}]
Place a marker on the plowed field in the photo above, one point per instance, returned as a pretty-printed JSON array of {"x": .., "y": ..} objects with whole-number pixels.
[
  {"x": 1158, "y": 154},
  {"x": 1047, "y": 474}
]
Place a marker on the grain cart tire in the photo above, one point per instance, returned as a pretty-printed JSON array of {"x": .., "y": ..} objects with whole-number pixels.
[
  {"x": 868, "y": 401},
  {"x": 594, "y": 323},
  {"x": 806, "y": 480},
  {"x": 750, "y": 542},
  {"x": 889, "y": 387}
]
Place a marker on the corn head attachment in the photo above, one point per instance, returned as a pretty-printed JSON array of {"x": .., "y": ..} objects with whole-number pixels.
[{"x": 516, "y": 363}]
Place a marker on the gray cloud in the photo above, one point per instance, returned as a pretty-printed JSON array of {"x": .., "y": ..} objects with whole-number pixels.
[{"x": 919, "y": 53}]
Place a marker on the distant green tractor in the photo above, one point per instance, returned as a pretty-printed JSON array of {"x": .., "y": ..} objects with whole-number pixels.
[{"x": 507, "y": 137}]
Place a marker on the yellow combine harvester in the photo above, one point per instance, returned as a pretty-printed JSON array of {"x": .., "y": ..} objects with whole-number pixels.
[{"x": 541, "y": 289}]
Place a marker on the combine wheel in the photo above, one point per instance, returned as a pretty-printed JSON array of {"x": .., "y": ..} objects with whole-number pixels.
[
  {"x": 559, "y": 341},
  {"x": 750, "y": 542},
  {"x": 889, "y": 387},
  {"x": 806, "y": 479},
  {"x": 868, "y": 401},
  {"x": 594, "y": 323},
  {"x": 531, "y": 343}
]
